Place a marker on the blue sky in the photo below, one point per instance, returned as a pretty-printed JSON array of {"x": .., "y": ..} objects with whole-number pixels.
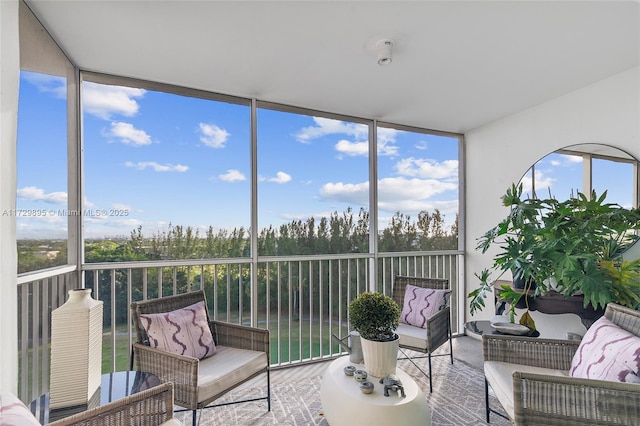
[
  {"x": 152, "y": 158},
  {"x": 560, "y": 176},
  {"x": 163, "y": 158}
]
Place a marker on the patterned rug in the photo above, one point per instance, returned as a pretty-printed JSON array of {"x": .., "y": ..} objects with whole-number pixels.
[{"x": 457, "y": 400}]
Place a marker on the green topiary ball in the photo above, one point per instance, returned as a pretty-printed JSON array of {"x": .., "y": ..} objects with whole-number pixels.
[{"x": 375, "y": 316}]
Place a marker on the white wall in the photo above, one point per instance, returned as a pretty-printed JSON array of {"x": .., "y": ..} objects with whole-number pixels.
[
  {"x": 9, "y": 80},
  {"x": 499, "y": 153}
]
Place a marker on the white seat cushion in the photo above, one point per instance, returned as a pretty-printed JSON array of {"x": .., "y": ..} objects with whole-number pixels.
[
  {"x": 227, "y": 367},
  {"x": 412, "y": 336},
  {"x": 500, "y": 378}
]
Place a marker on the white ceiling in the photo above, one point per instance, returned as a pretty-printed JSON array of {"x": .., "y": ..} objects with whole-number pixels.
[{"x": 456, "y": 64}]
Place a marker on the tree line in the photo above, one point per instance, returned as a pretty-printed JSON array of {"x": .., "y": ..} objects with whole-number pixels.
[{"x": 338, "y": 233}]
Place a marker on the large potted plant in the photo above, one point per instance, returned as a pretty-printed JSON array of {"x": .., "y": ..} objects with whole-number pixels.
[
  {"x": 572, "y": 247},
  {"x": 376, "y": 317}
]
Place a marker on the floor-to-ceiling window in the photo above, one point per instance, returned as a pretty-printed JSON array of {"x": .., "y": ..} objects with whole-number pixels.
[
  {"x": 418, "y": 190},
  {"x": 166, "y": 174},
  {"x": 44, "y": 210},
  {"x": 313, "y": 184}
]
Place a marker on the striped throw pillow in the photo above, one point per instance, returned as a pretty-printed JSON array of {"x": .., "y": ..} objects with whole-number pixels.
[
  {"x": 607, "y": 352},
  {"x": 183, "y": 331},
  {"x": 420, "y": 304}
]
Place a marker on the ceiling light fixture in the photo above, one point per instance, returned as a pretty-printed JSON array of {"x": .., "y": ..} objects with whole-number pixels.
[{"x": 384, "y": 48}]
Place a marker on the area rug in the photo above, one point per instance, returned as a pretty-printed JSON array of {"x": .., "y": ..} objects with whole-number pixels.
[{"x": 457, "y": 400}]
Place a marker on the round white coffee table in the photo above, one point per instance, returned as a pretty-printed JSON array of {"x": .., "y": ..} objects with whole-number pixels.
[{"x": 344, "y": 404}]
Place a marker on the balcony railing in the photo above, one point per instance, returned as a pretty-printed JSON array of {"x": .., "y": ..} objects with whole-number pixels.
[{"x": 302, "y": 300}]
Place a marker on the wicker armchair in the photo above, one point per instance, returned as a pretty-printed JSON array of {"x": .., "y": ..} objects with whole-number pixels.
[
  {"x": 551, "y": 397},
  {"x": 150, "y": 407},
  {"x": 242, "y": 353},
  {"x": 438, "y": 327}
]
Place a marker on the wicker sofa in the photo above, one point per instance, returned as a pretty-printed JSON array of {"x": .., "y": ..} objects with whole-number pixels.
[{"x": 530, "y": 377}]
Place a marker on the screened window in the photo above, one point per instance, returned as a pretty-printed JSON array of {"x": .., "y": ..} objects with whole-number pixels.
[
  {"x": 167, "y": 174},
  {"x": 313, "y": 184},
  {"x": 417, "y": 191},
  {"x": 46, "y": 139}
]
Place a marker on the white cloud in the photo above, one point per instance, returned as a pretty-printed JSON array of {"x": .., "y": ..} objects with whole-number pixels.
[
  {"x": 213, "y": 136},
  {"x": 327, "y": 126},
  {"x": 359, "y": 132},
  {"x": 543, "y": 183},
  {"x": 564, "y": 161},
  {"x": 104, "y": 101},
  {"x": 573, "y": 158},
  {"x": 232, "y": 175},
  {"x": 427, "y": 168},
  {"x": 37, "y": 194},
  {"x": 399, "y": 193},
  {"x": 48, "y": 83},
  {"x": 352, "y": 149},
  {"x": 357, "y": 193},
  {"x": 281, "y": 177},
  {"x": 141, "y": 165},
  {"x": 128, "y": 134},
  {"x": 422, "y": 145},
  {"x": 397, "y": 189}
]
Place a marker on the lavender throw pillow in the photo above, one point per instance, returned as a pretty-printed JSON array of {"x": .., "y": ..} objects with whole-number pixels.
[
  {"x": 183, "y": 331},
  {"x": 420, "y": 304},
  {"x": 607, "y": 352}
]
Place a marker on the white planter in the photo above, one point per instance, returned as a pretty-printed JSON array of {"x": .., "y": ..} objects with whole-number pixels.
[
  {"x": 380, "y": 358},
  {"x": 76, "y": 350}
]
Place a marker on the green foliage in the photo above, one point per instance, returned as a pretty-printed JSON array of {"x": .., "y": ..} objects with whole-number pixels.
[
  {"x": 374, "y": 315},
  {"x": 578, "y": 242},
  {"x": 41, "y": 254}
]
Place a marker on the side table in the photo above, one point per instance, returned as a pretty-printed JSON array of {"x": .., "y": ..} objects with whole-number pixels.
[
  {"x": 344, "y": 404},
  {"x": 113, "y": 386}
]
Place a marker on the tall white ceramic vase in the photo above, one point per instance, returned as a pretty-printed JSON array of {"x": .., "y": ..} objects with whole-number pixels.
[
  {"x": 76, "y": 350},
  {"x": 380, "y": 358}
]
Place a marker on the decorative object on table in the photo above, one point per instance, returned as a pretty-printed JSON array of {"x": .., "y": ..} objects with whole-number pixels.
[
  {"x": 511, "y": 328},
  {"x": 354, "y": 348},
  {"x": 360, "y": 375},
  {"x": 76, "y": 350},
  {"x": 376, "y": 317},
  {"x": 366, "y": 387},
  {"x": 572, "y": 247},
  {"x": 349, "y": 370},
  {"x": 392, "y": 383}
]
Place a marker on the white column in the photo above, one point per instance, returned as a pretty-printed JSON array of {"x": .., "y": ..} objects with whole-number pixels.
[{"x": 9, "y": 84}]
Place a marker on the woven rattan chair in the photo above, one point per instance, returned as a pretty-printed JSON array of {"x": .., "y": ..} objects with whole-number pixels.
[
  {"x": 242, "y": 353},
  {"x": 150, "y": 407},
  {"x": 437, "y": 330},
  {"x": 556, "y": 398}
]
